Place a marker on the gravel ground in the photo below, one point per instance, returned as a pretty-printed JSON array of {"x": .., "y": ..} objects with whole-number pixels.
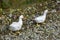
[{"x": 49, "y": 30}]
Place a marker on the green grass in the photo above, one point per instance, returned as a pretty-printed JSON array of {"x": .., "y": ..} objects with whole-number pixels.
[{"x": 18, "y": 3}]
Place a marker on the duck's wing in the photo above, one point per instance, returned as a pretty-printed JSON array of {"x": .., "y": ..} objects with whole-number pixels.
[
  {"x": 39, "y": 18},
  {"x": 15, "y": 26},
  {"x": 14, "y": 23}
]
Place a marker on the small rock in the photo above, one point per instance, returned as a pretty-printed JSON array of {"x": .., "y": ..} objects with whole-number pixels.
[
  {"x": 58, "y": 2},
  {"x": 10, "y": 15},
  {"x": 54, "y": 10},
  {"x": 41, "y": 4}
]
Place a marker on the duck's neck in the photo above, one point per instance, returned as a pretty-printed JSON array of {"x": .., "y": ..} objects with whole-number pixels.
[
  {"x": 20, "y": 20},
  {"x": 45, "y": 13}
]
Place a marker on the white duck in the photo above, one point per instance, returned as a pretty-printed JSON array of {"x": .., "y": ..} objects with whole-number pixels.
[
  {"x": 41, "y": 19},
  {"x": 16, "y": 25}
]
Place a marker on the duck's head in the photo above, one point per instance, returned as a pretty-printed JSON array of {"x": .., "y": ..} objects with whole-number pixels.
[
  {"x": 21, "y": 17},
  {"x": 46, "y": 11}
]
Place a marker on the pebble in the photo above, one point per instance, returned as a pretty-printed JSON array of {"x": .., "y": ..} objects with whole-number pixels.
[
  {"x": 10, "y": 15},
  {"x": 54, "y": 10},
  {"x": 40, "y": 4},
  {"x": 58, "y": 2}
]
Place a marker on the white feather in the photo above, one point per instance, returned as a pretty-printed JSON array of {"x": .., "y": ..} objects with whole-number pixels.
[
  {"x": 16, "y": 25},
  {"x": 42, "y": 18}
]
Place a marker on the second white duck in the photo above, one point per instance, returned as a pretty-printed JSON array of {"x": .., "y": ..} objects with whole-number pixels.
[
  {"x": 41, "y": 19},
  {"x": 16, "y": 25}
]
